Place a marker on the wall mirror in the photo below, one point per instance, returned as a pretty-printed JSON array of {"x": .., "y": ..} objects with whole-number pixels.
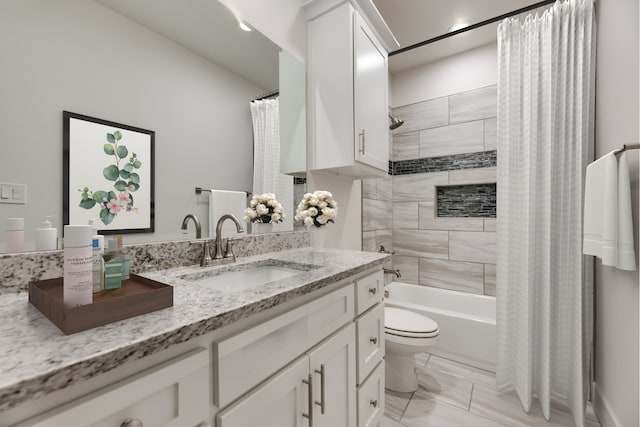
[{"x": 182, "y": 68}]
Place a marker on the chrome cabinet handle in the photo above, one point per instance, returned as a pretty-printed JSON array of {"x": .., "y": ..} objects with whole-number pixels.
[
  {"x": 321, "y": 403},
  {"x": 309, "y": 383},
  {"x": 373, "y": 291},
  {"x": 361, "y": 141},
  {"x": 374, "y": 403},
  {"x": 373, "y": 340},
  {"x": 131, "y": 422}
]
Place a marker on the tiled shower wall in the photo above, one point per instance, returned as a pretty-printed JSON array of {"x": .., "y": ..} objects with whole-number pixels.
[{"x": 433, "y": 148}]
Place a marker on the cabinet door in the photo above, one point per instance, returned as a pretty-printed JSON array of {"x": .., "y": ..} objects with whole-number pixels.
[
  {"x": 280, "y": 402},
  {"x": 371, "y": 98},
  {"x": 332, "y": 365}
]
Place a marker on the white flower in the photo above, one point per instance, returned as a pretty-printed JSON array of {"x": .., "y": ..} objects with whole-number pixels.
[
  {"x": 262, "y": 209},
  {"x": 308, "y": 221},
  {"x": 276, "y": 217}
]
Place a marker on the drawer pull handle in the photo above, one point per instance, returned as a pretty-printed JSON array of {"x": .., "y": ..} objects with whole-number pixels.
[
  {"x": 373, "y": 340},
  {"x": 309, "y": 383},
  {"x": 321, "y": 403},
  {"x": 374, "y": 403},
  {"x": 129, "y": 422},
  {"x": 373, "y": 291}
]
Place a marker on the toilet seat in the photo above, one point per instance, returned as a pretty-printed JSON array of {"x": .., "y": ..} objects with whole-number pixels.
[{"x": 407, "y": 324}]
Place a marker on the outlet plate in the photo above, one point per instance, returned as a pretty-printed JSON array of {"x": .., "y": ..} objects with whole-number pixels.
[{"x": 13, "y": 193}]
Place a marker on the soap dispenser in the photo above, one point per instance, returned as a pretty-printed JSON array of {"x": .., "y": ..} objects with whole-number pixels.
[{"x": 46, "y": 236}]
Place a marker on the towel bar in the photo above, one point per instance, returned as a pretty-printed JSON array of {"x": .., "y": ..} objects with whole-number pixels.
[{"x": 199, "y": 190}]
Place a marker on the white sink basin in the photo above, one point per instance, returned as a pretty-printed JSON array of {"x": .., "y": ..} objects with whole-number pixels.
[{"x": 244, "y": 278}]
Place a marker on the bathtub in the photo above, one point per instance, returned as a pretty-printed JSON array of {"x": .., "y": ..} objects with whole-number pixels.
[{"x": 467, "y": 321}]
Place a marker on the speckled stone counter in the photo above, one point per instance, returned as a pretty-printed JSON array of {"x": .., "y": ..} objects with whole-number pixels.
[{"x": 36, "y": 358}]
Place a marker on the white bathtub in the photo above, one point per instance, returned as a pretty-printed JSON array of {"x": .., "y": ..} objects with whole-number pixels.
[{"x": 467, "y": 321}]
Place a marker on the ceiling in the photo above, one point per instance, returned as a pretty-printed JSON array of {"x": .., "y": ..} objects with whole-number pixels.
[
  {"x": 209, "y": 29},
  {"x": 413, "y": 21}
]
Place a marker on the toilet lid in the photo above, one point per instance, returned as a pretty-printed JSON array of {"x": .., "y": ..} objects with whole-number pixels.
[{"x": 407, "y": 323}]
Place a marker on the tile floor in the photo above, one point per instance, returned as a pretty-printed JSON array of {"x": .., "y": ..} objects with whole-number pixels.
[{"x": 455, "y": 395}]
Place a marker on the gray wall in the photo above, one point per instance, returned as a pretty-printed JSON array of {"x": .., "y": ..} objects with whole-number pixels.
[
  {"x": 79, "y": 56},
  {"x": 398, "y": 212},
  {"x": 617, "y": 113}
]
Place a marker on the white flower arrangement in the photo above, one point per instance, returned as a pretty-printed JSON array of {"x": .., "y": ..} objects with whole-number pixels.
[
  {"x": 264, "y": 208},
  {"x": 317, "y": 208}
]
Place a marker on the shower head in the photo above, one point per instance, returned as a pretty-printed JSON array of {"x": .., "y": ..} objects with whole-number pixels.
[{"x": 395, "y": 122}]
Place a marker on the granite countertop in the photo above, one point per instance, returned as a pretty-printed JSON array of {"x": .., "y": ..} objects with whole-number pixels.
[{"x": 37, "y": 358}]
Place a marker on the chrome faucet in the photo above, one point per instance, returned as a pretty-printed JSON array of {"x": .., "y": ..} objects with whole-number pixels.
[
  {"x": 390, "y": 271},
  {"x": 221, "y": 256},
  {"x": 196, "y": 221}
]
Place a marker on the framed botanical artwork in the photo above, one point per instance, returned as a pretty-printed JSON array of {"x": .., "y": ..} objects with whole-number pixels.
[{"x": 107, "y": 175}]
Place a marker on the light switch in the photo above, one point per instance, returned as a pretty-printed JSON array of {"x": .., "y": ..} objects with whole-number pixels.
[{"x": 13, "y": 193}]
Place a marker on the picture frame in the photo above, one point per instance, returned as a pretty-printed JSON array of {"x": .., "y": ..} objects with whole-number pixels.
[{"x": 108, "y": 175}]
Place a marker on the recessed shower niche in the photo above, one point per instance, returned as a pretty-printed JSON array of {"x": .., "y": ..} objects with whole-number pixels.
[{"x": 466, "y": 201}]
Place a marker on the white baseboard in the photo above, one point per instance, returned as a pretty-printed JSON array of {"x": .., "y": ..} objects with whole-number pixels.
[{"x": 603, "y": 410}]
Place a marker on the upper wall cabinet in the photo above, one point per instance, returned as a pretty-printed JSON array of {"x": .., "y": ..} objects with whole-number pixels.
[{"x": 348, "y": 88}]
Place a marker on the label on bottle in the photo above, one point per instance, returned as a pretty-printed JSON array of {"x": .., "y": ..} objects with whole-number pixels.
[
  {"x": 113, "y": 274},
  {"x": 78, "y": 278}
]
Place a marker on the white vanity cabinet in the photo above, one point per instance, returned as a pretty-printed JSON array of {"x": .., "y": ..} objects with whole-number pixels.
[{"x": 348, "y": 91}]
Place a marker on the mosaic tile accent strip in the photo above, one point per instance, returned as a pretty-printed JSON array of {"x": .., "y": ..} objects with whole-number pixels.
[
  {"x": 298, "y": 180},
  {"x": 481, "y": 159},
  {"x": 466, "y": 201}
]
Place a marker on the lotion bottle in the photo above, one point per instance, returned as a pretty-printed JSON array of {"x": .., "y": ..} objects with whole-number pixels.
[
  {"x": 97, "y": 247},
  {"x": 14, "y": 234},
  {"x": 46, "y": 236},
  {"x": 78, "y": 266}
]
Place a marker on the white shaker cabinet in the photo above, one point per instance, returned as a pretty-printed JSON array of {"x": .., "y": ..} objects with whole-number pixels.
[{"x": 348, "y": 91}]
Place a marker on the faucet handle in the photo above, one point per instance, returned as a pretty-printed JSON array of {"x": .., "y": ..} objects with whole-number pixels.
[
  {"x": 206, "y": 255},
  {"x": 229, "y": 250}
]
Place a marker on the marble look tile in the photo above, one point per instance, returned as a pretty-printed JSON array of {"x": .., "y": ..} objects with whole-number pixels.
[
  {"x": 406, "y": 146},
  {"x": 390, "y": 422},
  {"x": 376, "y": 215},
  {"x": 369, "y": 190},
  {"x": 424, "y": 410},
  {"x": 408, "y": 266},
  {"x": 473, "y": 105},
  {"x": 507, "y": 409},
  {"x": 422, "y": 359},
  {"x": 472, "y": 246},
  {"x": 451, "y": 389},
  {"x": 395, "y": 403},
  {"x": 472, "y": 176},
  {"x": 490, "y": 134},
  {"x": 405, "y": 215},
  {"x": 369, "y": 241},
  {"x": 490, "y": 225},
  {"x": 384, "y": 188},
  {"x": 428, "y": 220},
  {"x": 418, "y": 187},
  {"x": 423, "y": 115},
  {"x": 421, "y": 243},
  {"x": 473, "y": 374},
  {"x": 453, "y": 139},
  {"x": 454, "y": 275},
  {"x": 490, "y": 279}
]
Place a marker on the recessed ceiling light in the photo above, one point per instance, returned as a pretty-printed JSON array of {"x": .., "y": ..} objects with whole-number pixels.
[
  {"x": 244, "y": 26},
  {"x": 458, "y": 26}
]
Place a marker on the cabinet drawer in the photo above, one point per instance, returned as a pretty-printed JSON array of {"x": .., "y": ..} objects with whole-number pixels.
[
  {"x": 369, "y": 291},
  {"x": 371, "y": 399},
  {"x": 244, "y": 360},
  {"x": 370, "y": 338},
  {"x": 174, "y": 394}
]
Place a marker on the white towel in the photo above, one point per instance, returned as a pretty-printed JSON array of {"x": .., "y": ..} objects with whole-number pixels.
[
  {"x": 226, "y": 202},
  {"x": 608, "y": 224}
]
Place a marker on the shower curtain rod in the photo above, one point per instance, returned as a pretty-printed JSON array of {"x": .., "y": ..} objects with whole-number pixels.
[
  {"x": 474, "y": 26},
  {"x": 271, "y": 94},
  {"x": 626, "y": 147}
]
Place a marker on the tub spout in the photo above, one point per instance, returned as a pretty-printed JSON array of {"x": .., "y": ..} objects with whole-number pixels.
[{"x": 390, "y": 271}]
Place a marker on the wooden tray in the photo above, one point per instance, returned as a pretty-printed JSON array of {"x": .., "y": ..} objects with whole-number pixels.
[{"x": 138, "y": 295}]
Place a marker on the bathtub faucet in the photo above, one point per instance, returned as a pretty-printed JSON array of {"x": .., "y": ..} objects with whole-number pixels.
[{"x": 390, "y": 271}]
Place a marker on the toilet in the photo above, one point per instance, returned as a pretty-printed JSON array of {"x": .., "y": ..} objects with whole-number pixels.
[{"x": 406, "y": 334}]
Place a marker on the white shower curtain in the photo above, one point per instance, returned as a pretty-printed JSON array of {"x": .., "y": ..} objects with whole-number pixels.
[
  {"x": 545, "y": 140},
  {"x": 266, "y": 158}
]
